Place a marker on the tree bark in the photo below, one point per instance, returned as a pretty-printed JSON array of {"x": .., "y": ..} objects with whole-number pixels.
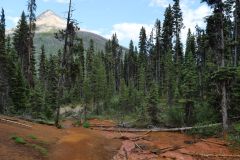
[
  {"x": 224, "y": 108},
  {"x": 223, "y": 85}
]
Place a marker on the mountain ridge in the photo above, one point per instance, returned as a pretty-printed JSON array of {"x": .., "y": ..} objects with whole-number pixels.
[{"x": 48, "y": 23}]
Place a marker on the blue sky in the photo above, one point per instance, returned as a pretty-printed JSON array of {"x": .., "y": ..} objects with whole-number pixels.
[{"x": 105, "y": 17}]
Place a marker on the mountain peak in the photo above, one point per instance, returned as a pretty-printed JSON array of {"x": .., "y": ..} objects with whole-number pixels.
[
  {"x": 47, "y": 13},
  {"x": 49, "y": 20}
]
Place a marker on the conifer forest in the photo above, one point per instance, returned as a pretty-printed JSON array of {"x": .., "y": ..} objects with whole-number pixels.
[{"x": 159, "y": 83}]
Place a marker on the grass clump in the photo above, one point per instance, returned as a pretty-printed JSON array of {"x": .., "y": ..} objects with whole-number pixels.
[
  {"x": 33, "y": 137},
  {"x": 86, "y": 124},
  {"x": 39, "y": 148},
  {"x": 18, "y": 140}
]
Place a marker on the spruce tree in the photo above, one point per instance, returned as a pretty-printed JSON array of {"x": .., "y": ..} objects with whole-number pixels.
[
  {"x": 190, "y": 45},
  {"x": 116, "y": 55},
  {"x": 89, "y": 58},
  {"x": 189, "y": 86},
  {"x": 20, "y": 39},
  {"x": 167, "y": 38},
  {"x": 159, "y": 62},
  {"x": 3, "y": 64},
  {"x": 98, "y": 83},
  {"x": 218, "y": 27},
  {"x": 42, "y": 66},
  {"x": 177, "y": 26},
  {"x": 167, "y": 29},
  {"x": 142, "y": 48},
  {"x": 152, "y": 106},
  {"x": 31, "y": 59},
  {"x": 132, "y": 63},
  {"x": 52, "y": 87}
]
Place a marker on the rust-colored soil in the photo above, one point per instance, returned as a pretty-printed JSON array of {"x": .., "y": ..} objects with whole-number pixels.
[
  {"x": 62, "y": 144},
  {"x": 78, "y": 143},
  {"x": 9, "y": 150},
  {"x": 169, "y": 146},
  {"x": 84, "y": 144}
]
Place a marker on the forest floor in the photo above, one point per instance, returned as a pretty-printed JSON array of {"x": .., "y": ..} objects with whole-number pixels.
[{"x": 44, "y": 142}]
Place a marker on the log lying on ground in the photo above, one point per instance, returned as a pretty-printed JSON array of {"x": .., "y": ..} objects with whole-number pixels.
[
  {"x": 217, "y": 143},
  {"x": 101, "y": 126},
  {"x": 40, "y": 121},
  {"x": 14, "y": 122},
  {"x": 212, "y": 155},
  {"x": 137, "y": 138},
  {"x": 157, "y": 129},
  {"x": 173, "y": 148}
]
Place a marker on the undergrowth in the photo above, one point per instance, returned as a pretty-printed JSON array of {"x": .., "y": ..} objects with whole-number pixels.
[{"x": 31, "y": 141}]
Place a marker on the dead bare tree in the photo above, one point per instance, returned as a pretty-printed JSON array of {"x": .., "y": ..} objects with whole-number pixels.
[{"x": 68, "y": 35}]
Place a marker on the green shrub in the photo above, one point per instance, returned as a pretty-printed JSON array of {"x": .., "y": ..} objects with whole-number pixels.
[
  {"x": 175, "y": 117},
  {"x": 234, "y": 134},
  {"x": 237, "y": 127},
  {"x": 19, "y": 140},
  {"x": 205, "y": 132},
  {"x": 205, "y": 114},
  {"x": 235, "y": 138},
  {"x": 86, "y": 125}
]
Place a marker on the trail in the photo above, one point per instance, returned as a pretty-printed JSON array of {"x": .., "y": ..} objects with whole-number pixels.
[
  {"x": 84, "y": 144},
  {"x": 77, "y": 143}
]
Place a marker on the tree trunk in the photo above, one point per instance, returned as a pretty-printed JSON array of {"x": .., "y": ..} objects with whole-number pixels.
[
  {"x": 61, "y": 82},
  {"x": 85, "y": 112},
  {"x": 224, "y": 108}
]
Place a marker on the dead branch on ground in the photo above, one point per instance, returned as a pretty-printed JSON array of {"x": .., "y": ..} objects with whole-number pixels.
[{"x": 14, "y": 122}]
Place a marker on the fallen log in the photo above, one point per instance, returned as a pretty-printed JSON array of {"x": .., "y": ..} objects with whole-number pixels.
[
  {"x": 217, "y": 143},
  {"x": 14, "y": 122},
  {"x": 138, "y": 146},
  {"x": 137, "y": 138},
  {"x": 101, "y": 126},
  {"x": 173, "y": 148},
  {"x": 212, "y": 155},
  {"x": 39, "y": 121},
  {"x": 157, "y": 129},
  {"x": 148, "y": 132}
]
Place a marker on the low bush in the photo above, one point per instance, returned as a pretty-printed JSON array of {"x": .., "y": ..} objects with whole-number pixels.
[
  {"x": 205, "y": 132},
  {"x": 86, "y": 125},
  {"x": 175, "y": 117}
]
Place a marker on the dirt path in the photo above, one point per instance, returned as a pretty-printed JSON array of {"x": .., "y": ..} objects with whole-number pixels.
[
  {"x": 76, "y": 143},
  {"x": 84, "y": 144},
  {"x": 61, "y": 144}
]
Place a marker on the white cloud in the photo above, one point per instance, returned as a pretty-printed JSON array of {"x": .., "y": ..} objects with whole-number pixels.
[
  {"x": 192, "y": 16},
  {"x": 159, "y": 3},
  {"x": 13, "y": 20},
  {"x": 128, "y": 31}
]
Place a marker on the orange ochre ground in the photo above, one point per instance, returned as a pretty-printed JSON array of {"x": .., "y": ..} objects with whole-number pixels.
[{"x": 77, "y": 143}]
